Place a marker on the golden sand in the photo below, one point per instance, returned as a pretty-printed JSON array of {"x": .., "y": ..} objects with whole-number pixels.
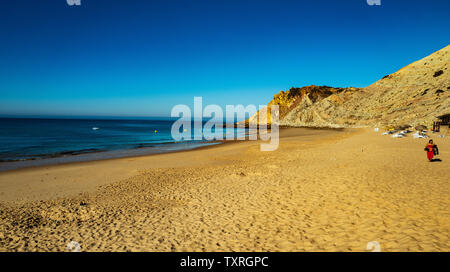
[{"x": 322, "y": 190}]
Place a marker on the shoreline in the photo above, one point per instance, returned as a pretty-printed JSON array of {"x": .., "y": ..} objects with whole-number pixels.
[
  {"x": 100, "y": 155},
  {"x": 119, "y": 168}
]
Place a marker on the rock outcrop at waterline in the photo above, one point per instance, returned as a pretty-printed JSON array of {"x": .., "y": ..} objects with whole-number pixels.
[{"x": 414, "y": 95}]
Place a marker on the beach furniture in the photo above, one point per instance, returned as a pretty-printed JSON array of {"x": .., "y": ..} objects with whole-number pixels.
[{"x": 398, "y": 135}]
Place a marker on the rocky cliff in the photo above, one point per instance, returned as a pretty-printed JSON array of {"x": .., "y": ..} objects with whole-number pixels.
[{"x": 414, "y": 95}]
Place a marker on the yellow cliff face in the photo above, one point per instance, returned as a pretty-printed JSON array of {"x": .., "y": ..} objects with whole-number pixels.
[
  {"x": 289, "y": 101},
  {"x": 414, "y": 95}
]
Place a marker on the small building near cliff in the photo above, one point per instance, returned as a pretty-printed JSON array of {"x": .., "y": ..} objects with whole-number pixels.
[{"x": 444, "y": 119}]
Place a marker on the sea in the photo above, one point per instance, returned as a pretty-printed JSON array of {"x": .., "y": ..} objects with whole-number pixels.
[{"x": 26, "y": 142}]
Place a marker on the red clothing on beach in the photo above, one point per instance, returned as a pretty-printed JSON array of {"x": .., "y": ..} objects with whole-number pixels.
[{"x": 430, "y": 152}]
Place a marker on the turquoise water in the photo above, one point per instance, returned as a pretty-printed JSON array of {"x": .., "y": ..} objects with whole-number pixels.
[{"x": 64, "y": 140}]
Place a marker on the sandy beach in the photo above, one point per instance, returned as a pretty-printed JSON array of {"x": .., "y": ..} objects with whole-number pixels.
[{"x": 322, "y": 190}]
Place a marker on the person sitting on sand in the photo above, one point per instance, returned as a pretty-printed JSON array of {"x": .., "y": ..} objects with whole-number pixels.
[{"x": 431, "y": 150}]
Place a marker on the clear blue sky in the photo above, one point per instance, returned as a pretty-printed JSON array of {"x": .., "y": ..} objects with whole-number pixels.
[{"x": 139, "y": 58}]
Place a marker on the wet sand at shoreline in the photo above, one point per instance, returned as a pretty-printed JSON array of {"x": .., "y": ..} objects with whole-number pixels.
[{"x": 322, "y": 190}]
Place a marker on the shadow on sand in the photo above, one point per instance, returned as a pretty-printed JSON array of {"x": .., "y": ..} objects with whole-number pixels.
[{"x": 436, "y": 160}]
